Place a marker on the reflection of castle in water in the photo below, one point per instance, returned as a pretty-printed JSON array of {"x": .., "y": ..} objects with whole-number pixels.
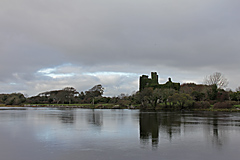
[
  {"x": 151, "y": 123},
  {"x": 149, "y": 128},
  {"x": 167, "y": 125}
]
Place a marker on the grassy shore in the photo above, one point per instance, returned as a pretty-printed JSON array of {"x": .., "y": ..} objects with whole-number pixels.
[
  {"x": 89, "y": 106},
  {"x": 235, "y": 108},
  {"x": 3, "y": 105}
]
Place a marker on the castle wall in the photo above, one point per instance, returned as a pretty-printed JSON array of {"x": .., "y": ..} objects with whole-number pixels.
[{"x": 152, "y": 82}]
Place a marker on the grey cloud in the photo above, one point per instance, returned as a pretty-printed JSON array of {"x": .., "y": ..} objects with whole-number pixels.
[{"x": 172, "y": 37}]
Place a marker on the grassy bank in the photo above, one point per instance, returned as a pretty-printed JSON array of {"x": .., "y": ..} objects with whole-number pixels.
[
  {"x": 88, "y": 106},
  {"x": 235, "y": 108},
  {"x": 3, "y": 105}
]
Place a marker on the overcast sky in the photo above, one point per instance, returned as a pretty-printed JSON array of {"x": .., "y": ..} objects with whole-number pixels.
[{"x": 51, "y": 44}]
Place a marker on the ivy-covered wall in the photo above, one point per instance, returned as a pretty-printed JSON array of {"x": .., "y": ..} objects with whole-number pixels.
[{"x": 152, "y": 82}]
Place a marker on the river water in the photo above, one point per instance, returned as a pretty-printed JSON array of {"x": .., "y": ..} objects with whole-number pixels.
[{"x": 85, "y": 134}]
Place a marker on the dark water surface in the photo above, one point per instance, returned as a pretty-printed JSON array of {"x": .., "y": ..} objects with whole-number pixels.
[{"x": 85, "y": 134}]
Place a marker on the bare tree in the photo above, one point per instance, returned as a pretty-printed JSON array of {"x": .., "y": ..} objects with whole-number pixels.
[
  {"x": 216, "y": 79},
  {"x": 238, "y": 89}
]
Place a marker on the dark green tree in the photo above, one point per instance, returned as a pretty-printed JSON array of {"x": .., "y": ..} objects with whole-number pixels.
[
  {"x": 198, "y": 96},
  {"x": 181, "y": 99},
  {"x": 96, "y": 91},
  {"x": 165, "y": 94},
  {"x": 14, "y": 99},
  {"x": 143, "y": 97}
]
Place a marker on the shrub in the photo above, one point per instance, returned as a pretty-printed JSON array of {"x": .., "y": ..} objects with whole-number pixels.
[
  {"x": 189, "y": 104},
  {"x": 212, "y": 102},
  {"x": 222, "y": 105},
  {"x": 233, "y": 102},
  {"x": 201, "y": 105},
  {"x": 15, "y": 99},
  {"x": 124, "y": 103}
]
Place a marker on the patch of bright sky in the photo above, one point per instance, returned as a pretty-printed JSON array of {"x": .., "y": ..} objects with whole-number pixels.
[
  {"x": 52, "y": 72},
  {"x": 57, "y": 72},
  {"x": 110, "y": 73},
  {"x": 47, "y": 70},
  {"x": 53, "y": 75}
]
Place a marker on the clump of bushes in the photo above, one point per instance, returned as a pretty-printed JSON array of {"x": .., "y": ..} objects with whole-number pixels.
[
  {"x": 212, "y": 102},
  {"x": 222, "y": 105},
  {"x": 12, "y": 99},
  {"x": 233, "y": 102},
  {"x": 201, "y": 105}
]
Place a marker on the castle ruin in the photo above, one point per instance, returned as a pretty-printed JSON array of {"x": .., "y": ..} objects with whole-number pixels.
[{"x": 152, "y": 82}]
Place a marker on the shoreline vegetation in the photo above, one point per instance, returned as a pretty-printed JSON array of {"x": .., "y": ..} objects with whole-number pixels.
[
  {"x": 235, "y": 108},
  {"x": 170, "y": 96}
]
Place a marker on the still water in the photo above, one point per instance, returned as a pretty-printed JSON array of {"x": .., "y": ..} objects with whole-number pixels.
[{"x": 85, "y": 134}]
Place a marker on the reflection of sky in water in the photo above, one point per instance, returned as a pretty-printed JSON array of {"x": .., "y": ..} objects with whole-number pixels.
[
  {"x": 129, "y": 133},
  {"x": 93, "y": 125}
]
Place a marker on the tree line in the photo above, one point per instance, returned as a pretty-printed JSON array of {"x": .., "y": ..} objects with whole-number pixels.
[
  {"x": 189, "y": 95},
  {"x": 192, "y": 96}
]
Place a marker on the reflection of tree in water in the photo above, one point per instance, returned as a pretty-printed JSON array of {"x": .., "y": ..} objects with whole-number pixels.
[
  {"x": 67, "y": 116},
  {"x": 13, "y": 114},
  {"x": 214, "y": 124},
  {"x": 150, "y": 123},
  {"x": 118, "y": 116},
  {"x": 216, "y": 138},
  {"x": 95, "y": 118},
  {"x": 217, "y": 135},
  {"x": 170, "y": 123}
]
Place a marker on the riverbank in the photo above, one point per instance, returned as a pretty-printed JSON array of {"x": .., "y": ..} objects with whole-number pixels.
[
  {"x": 113, "y": 106},
  {"x": 87, "y": 106}
]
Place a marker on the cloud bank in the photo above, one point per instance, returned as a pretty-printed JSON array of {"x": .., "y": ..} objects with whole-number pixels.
[{"x": 48, "y": 45}]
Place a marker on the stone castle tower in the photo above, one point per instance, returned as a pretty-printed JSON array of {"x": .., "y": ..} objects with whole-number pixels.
[{"x": 152, "y": 82}]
